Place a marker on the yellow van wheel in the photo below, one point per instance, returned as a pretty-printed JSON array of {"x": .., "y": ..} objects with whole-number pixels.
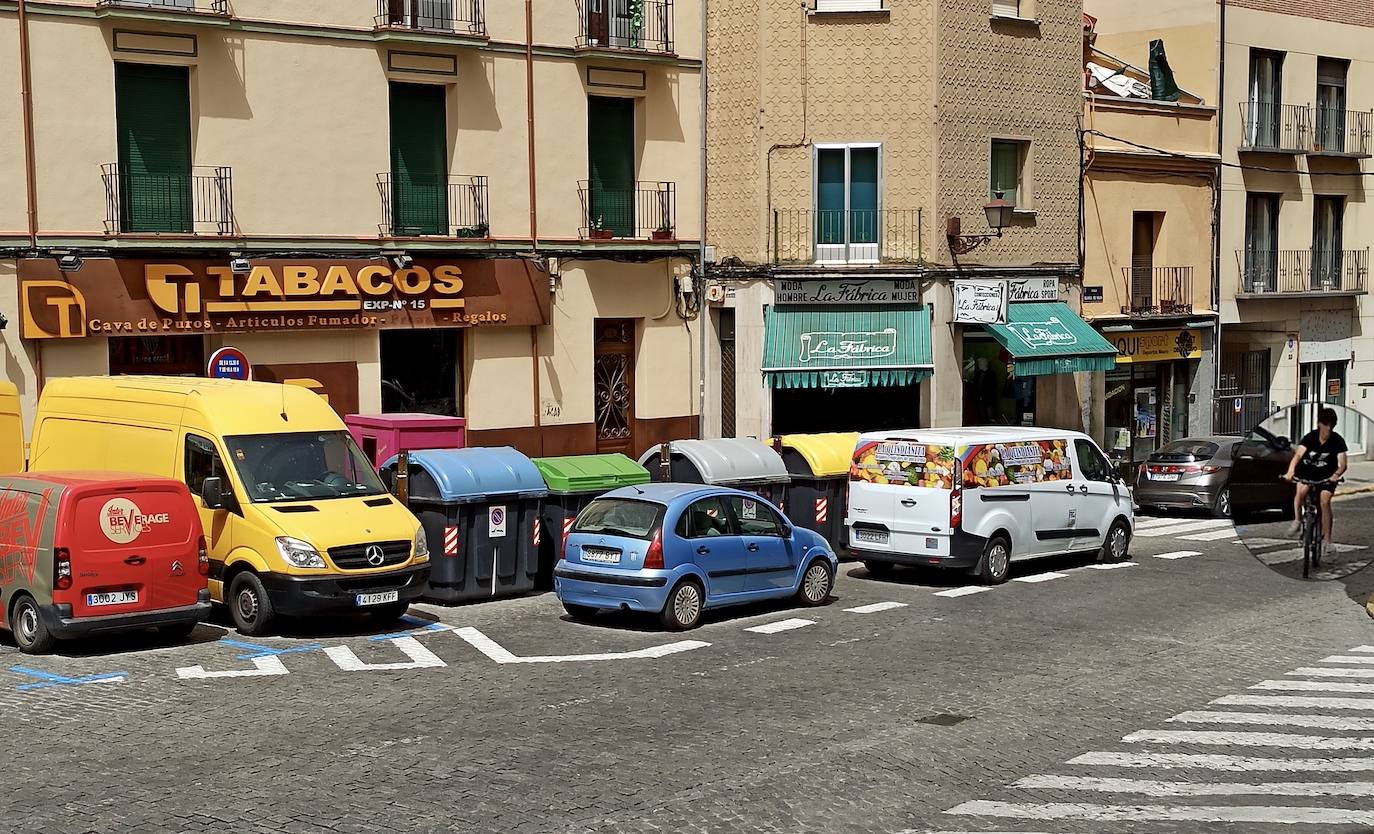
[{"x": 249, "y": 606}]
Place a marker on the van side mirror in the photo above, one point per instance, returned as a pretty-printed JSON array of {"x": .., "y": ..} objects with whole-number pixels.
[{"x": 212, "y": 493}]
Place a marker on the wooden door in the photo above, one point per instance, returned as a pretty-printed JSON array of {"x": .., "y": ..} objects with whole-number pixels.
[{"x": 614, "y": 388}]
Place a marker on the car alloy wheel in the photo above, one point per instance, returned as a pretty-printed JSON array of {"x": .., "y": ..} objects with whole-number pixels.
[
  {"x": 816, "y": 583},
  {"x": 999, "y": 560},
  {"x": 1223, "y": 507},
  {"x": 1119, "y": 542},
  {"x": 687, "y": 604}
]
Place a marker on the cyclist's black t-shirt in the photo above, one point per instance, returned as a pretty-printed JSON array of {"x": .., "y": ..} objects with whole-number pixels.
[{"x": 1320, "y": 461}]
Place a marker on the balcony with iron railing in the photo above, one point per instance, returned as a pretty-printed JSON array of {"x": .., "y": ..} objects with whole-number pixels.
[
  {"x": 643, "y": 26},
  {"x": 455, "y": 207},
  {"x": 200, "y": 202},
  {"x": 1158, "y": 290},
  {"x": 1343, "y": 133},
  {"x": 464, "y": 18},
  {"x": 1266, "y": 273},
  {"x": 846, "y": 236},
  {"x": 1268, "y": 127},
  {"x": 638, "y": 210},
  {"x": 208, "y": 7}
]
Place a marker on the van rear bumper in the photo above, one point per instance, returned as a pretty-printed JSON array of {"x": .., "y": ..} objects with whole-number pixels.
[
  {"x": 965, "y": 551},
  {"x": 61, "y": 624},
  {"x": 298, "y": 595}
]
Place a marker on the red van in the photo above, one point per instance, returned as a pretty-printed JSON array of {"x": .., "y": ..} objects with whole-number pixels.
[{"x": 92, "y": 552}]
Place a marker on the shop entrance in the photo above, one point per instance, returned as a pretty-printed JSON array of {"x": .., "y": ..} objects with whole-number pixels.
[
  {"x": 993, "y": 395},
  {"x": 422, "y": 371},
  {"x": 613, "y": 375},
  {"x": 159, "y": 355},
  {"x": 1146, "y": 406},
  {"x": 878, "y": 408}
]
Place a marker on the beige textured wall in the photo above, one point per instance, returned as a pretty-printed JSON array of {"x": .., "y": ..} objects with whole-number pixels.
[
  {"x": 13, "y": 218},
  {"x": 1187, "y": 27},
  {"x": 360, "y": 346},
  {"x": 1011, "y": 80},
  {"x": 868, "y": 78}
]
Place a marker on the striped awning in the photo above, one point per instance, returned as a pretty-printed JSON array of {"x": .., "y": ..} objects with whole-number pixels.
[
  {"x": 839, "y": 347},
  {"x": 1049, "y": 338}
]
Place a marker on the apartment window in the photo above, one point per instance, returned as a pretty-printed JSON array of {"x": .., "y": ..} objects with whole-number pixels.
[
  {"x": 851, "y": 5},
  {"x": 153, "y": 120},
  {"x": 1145, "y": 227},
  {"x": 1328, "y": 222},
  {"x": 847, "y": 215},
  {"x": 1265, "y": 97},
  {"x": 1006, "y": 8},
  {"x": 1261, "y": 242},
  {"x": 1009, "y": 172},
  {"x": 611, "y": 164},
  {"x": 1331, "y": 74},
  {"x": 419, "y": 160},
  {"x": 420, "y": 14}
]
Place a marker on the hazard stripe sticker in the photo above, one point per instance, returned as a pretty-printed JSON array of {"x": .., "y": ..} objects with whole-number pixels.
[{"x": 450, "y": 541}]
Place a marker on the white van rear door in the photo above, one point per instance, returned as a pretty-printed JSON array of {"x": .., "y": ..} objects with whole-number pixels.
[{"x": 900, "y": 497}]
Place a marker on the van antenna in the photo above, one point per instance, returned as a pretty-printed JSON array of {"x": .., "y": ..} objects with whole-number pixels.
[{"x": 283, "y": 402}]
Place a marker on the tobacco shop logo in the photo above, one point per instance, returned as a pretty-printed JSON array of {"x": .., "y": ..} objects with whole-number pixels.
[
  {"x": 177, "y": 290},
  {"x": 53, "y": 310}
]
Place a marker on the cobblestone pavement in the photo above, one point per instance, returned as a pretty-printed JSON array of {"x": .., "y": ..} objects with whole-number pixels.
[{"x": 1168, "y": 694}]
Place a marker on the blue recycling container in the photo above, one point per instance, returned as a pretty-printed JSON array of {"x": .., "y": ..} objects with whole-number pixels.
[{"x": 480, "y": 510}]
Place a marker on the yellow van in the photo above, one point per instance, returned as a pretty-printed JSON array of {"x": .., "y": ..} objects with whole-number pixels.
[{"x": 297, "y": 522}]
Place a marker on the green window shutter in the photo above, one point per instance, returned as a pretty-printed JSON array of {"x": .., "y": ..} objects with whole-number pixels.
[
  {"x": 419, "y": 159},
  {"x": 863, "y": 195},
  {"x": 830, "y": 191},
  {"x": 611, "y": 164},
  {"x": 153, "y": 122},
  {"x": 1006, "y": 170}
]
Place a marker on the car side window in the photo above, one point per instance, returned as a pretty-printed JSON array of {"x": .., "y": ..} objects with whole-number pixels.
[
  {"x": 755, "y": 517},
  {"x": 703, "y": 519},
  {"x": 202, "y": 461},
  {"x": 1091, "y": 464}
]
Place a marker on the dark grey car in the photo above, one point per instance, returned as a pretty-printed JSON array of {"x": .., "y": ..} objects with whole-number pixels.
[{"x": 1193, "y": 473}]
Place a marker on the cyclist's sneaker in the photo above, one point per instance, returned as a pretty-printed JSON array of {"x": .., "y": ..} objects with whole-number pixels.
[{"x": 1294, "y": 529}]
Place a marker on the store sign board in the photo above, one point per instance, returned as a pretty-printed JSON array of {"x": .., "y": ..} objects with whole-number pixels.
[
  {"x": 876, "y": 291},
  {"x": 108, "y": 297},
  {"x": 844, "y": 379},
  {"x": 337, "y": 382},
  {"x": 980, "y": 302},
  {"x": 836, "y": 346},
  {"x": 1156, "y": 346},
  {"x": 1051, "y": 333},
  {"x": 1033, "y": 289}
]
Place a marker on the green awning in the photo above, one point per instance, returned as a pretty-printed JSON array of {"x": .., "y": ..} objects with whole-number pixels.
[
  {"x": 846, "y": 347},
  {"x": 1049, "y": 338}
]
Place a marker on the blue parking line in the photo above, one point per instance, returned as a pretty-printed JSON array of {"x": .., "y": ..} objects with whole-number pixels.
[
  {"x": 426, "y": 625},
  {"x": 47, "y": 679},
  {"x": 267, "y": 651}
]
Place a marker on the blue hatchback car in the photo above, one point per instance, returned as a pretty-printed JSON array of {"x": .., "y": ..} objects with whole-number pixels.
[{"x": 679, "y": 549}]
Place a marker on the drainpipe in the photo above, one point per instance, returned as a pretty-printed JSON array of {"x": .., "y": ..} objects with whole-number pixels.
[
  {"x": 26, "y": 93},
  {"x": 529, "y": 122},
  {"x": 1216, "y": 210},
  {"x": 701, "y": 247}
]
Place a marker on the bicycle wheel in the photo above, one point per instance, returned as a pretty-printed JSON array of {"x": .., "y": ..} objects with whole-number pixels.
[{"x": 1308, "y": 535}]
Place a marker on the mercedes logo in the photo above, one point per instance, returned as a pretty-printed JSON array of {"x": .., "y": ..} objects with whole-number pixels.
[{"x": 375, "y": 556}]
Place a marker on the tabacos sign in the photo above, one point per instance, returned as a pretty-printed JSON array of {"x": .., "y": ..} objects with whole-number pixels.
[{"x": 142, "y": 297}]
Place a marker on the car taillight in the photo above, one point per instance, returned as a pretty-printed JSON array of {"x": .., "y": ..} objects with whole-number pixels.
[
  {"x": 956, "y": 508},
  {"x": 653, "y": 557},
  {"x": 61, "y": 568},
  {"x": 1209, "y": 468},
  {"x": 202, "y": 557}
]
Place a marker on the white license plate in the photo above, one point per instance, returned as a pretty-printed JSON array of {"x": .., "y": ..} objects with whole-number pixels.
[
  {"x": 111, "y": 598},
  {"x": 378, "y": 598},
  {"x": 1160, "y": 476},
  {"x": 601, "y": 557},
  {"x": 871, "y": 536}
]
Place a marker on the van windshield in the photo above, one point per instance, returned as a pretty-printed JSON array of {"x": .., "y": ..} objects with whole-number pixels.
[{"x": 302, "y": 466}]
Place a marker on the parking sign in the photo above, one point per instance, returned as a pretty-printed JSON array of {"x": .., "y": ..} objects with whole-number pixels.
[{"x": 496, "y": 522}]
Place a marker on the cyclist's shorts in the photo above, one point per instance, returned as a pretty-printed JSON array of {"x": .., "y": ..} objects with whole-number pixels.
[{"x": 1327, "y": 486}]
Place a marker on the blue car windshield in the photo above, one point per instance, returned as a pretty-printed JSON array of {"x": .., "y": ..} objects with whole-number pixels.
[{"x": 620, "y": 517}]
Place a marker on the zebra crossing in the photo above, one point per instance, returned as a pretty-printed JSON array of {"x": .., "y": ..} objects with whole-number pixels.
[
  {"x": 1256, "y": 757},
  {"x": 1184, "y": 529}
]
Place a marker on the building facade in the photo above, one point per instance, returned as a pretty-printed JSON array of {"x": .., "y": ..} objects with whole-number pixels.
[
  {"x": 853, "y": 146},
  {"x": 1149, "y": 194},
  {"x": 446, "y": 206}
]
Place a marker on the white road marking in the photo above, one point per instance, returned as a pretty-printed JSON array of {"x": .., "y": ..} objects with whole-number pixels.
[
  {"x": 1322, "y": 722},
  {"x": 875, "y": 607},
  {"x": 266, "y": 665},
  {"x": 1249, "y": 739},
  {"x": 1368, "y": 649},
  {"x": 1315, "y": 686},
  {"x": 1040, "y": 577},
  {"x": 1112, "y": 565},
  {"x": 1150, "y": 787},
  {"x": 1210, "y": 535},
  {"x": 1322, "y": 672},
  {"x": 781, "y": 625},
  {"x": 964, "y": 591},
  {"x": 1214, "y": 761},
  {"x": 1149, "y": 813},
  {"x": 1295, "y": 701},
  {"x": 1336, "y": 658},
  {"x": 1146, "y": 522},
  {"x": 420, "y": 657},
  {"x": 495, "y": 651},
  {"x": 1187, "y": 527},
  {"x": 1178, "y": 554}
]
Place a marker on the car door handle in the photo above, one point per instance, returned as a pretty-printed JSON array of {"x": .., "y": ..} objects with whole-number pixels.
[
  {"x": 703, "y": 550},
  {"x": 1069, "y": 487},
  {"x": 135, "y": 560},
  {"x": 1083, "y": 489},
  {"x": 908, "y": 502},
  {"x": 753, "y": 547}
]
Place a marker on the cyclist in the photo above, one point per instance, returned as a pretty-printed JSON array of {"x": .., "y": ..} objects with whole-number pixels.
[{"x": 1320, "y": 456}]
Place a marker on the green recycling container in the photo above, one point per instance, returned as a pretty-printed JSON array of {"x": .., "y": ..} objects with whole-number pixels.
[{"x": 573, "y": 482}]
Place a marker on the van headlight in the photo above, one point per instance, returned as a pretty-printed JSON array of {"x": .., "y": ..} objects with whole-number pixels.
[
  {"x": 421, "y": 548},
  {"x": 298, "y": 553}
]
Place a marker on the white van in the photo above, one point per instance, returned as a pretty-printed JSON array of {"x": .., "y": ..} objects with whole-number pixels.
[{"x": 980, "y": 498}]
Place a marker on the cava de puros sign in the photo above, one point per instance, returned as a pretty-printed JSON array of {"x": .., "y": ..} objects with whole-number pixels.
[{"x": 141, "y": 297}]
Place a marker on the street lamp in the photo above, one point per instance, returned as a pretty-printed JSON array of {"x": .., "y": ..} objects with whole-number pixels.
[{"x": 998, "y": 212}]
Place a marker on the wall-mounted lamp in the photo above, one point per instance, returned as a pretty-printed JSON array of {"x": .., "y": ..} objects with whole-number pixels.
[
  {"x": 240, "y": 266},
  {"x": 998, "y": 213},
  {"x": 69, "y": 263},
  {"x": 402, "y": 260}
]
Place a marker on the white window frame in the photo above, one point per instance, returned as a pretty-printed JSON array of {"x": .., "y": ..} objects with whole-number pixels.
[
  {"x": 845, "y": 253},
  {"x": 1025, "y": 183},
  {"x": 847, "y": 6}
]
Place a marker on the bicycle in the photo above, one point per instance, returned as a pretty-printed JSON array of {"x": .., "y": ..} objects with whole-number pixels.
[{"x": 1311, "y": 535}]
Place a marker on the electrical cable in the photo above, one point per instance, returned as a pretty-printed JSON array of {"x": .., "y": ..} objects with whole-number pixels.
[{"x": 1239, "y": 166}]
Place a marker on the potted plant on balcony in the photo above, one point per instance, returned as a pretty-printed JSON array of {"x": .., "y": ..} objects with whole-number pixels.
[
  {"x": 663, "y": 232},
  {"x": 481, "y": 230},
  {"x": 598, "y": 231}
]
